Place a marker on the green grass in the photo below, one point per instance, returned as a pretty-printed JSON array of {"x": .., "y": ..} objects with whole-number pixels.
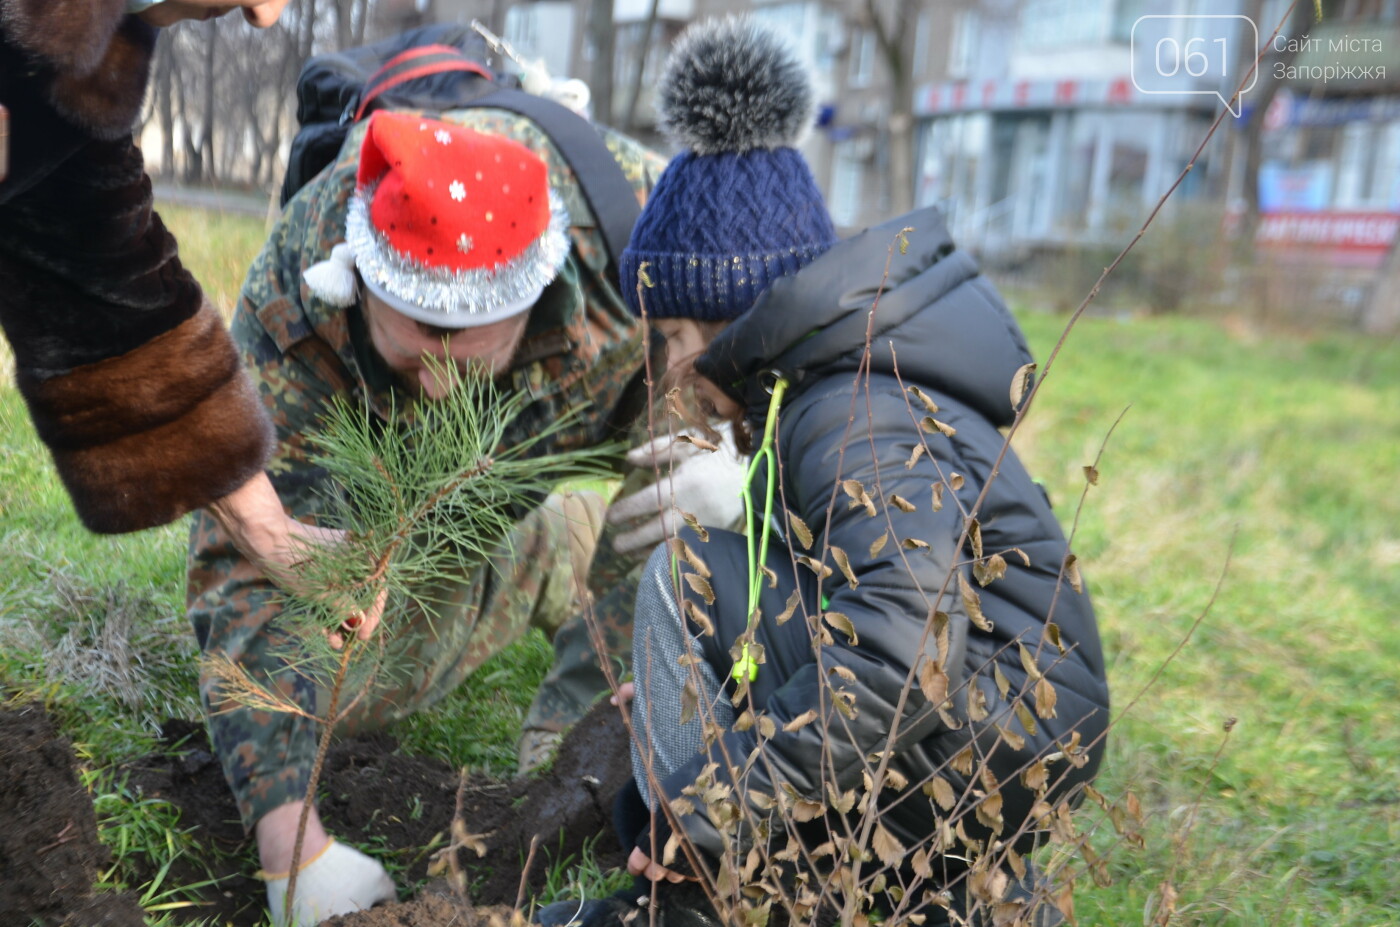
[{"x": 1286, "y": 444}]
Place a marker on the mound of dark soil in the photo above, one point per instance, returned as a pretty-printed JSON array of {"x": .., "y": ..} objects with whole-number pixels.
[
  {"x": 49, "y": 854},
  {"x": 400, "y": 806}
]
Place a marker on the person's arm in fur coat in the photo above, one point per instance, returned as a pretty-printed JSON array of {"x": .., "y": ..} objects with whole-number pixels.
[{"x": 129, "y": 373}]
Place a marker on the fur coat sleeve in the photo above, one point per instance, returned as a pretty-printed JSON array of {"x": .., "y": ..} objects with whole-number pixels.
[{"x": 129, "y": 374}]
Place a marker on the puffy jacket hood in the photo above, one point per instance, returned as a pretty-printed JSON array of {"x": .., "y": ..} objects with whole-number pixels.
[{"x": 937, "y": 318}]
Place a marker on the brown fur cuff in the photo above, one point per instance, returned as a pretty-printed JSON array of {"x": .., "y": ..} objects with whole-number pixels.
[
  {"x": 99, "y": 58},
  {"x": 141, "y": 439}
]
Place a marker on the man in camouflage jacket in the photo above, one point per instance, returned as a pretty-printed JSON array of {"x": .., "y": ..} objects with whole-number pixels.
[{"x": 582, "y": 352}]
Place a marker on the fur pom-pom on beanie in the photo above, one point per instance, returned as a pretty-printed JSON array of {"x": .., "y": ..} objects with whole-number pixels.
[{"x": 738, "y": 207}]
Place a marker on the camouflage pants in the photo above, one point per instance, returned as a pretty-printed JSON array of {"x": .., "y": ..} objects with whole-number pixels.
[
  {"x": 576, "y": 679},
  {"x": 267, "y": 756}
]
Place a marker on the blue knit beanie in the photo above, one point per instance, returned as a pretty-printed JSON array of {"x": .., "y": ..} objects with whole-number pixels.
[{"x": 738, "y": 207}]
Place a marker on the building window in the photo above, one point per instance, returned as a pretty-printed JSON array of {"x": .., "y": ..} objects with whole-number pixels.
[
  {"x": 862, "y": 59},
  {"x": 1128, "y": 12},
  {"x": 923, "y": 29},
  {"x": 1367, "y": 165},
  {"x": 961, "y": 44},
  {"x": 847, "y": 175},
  {"x": 1048, "y": 24}
]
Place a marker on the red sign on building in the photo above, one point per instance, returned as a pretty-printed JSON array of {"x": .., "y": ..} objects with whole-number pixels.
[{"x": 1357, "y": 239}]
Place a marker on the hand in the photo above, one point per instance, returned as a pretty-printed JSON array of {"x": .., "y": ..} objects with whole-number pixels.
[
  {"x": 705, "y": 483},
  {"x": 253, "y": 517},
  {"x": 639, "y": 864},
  {"x": 624, "y": 694},
  {"x": 260, "y": 13}
]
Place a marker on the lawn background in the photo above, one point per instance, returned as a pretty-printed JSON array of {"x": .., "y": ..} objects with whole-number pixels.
[{"x": 1282, "y": 447}]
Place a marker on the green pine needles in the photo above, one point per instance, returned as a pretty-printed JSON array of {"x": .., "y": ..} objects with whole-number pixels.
[
  {"x": 426, "y": 498},
  {"x": 422, "y": 499}
]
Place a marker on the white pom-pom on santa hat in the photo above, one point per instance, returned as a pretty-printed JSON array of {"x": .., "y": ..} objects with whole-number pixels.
[{"x": 333, "y": 280}]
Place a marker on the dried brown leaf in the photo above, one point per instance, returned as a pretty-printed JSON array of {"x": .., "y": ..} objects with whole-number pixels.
[
  {"x": 694, "y": 524},
  {"x": 1052, "y": 631},
  {"x": 1018, "y": 864},
  {"x": 800, "y": 531},
  {"x": 962, "y": 762},
  {"x": 1091, "y": 473},
  {"x": 1023, "y": 714},
  {"x": 1003, "y": 684},
  {"x": 805, "y": 810},
  {"x": 767, "y": 727},
  {"x": 976, "y": 702},
  {"x": 989, "y": 570},
  {"x": 941, "y": 791},
  {"x": 878, "y": 545},
  {"x": 1020, "y": 382},
  {"x": 842, "y": 803},
  {"x": 1045, "y": 698},
  {"x": 974, "y": 537},
  {"x": 1072, "y": 572},
  {"x": 989, "y": 812},
  {"x": 844, "y": 563},
  {"x": 821, "y": 569},
  {"x": 791, "y": 606},
  {"x": 931, "y": 424},
  {"x": 690, "y": 702},
  {"x": 901, "y": 503},
  {"x": 697, "y": 615},
  {"x": 972, "y": 604},
  {"x": 914, "y": 456},
  {"x": 1013, "y": 740},
  {"x": 1028, "y": 661},
  {"x": 845, "y": 672},
  {"x": 929, "y": 405},
  {"x": 698, "y": 441},
  {"x": 914, "y": 544},
  {"x": 801, "y": 721},
  {"x": 938, "y": 496},
  {"x": 933, "y": 682},
  {"x": 859, "y": 497},
  {"x": 1036, "y": 777},
  {"x": 886, "y": 846},
  {"x": 701, "y": 587},
  {"x": 745, "y": 721},
  {"x": 681, "y": 549},
  {"x": 843, "y": 624},
  {"x": 668, "y": 853}
]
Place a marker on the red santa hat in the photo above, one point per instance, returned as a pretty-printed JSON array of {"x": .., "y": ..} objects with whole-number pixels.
[{"x": 447, "y": 225}]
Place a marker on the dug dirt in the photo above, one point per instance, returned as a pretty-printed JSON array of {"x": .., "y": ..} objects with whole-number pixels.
[
  {"x": 399, "y": 808},
  {"x": 49, "y": 854}
]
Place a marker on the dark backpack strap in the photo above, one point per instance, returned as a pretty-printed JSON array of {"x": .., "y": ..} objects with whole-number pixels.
[
  {"x": 607, "y": 190},
  {"x": 423, "y": 61}
]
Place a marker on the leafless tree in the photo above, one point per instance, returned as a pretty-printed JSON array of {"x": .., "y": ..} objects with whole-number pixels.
[
  {"x": 223, "y": 94},
  {"x": 892, "y": 22}
]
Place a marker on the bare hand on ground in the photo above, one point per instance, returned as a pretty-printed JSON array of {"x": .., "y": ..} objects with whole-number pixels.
[
  {"x": 624, "y": 694},
  {"x": 639, "y": 864}
]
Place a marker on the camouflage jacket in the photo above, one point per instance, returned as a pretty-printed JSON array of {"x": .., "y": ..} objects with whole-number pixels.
[{"x": 582, "y": 349}]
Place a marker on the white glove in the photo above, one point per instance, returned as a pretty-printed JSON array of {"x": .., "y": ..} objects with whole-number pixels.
[
  {"x": 706, "y": 484},
  {"x": 340, "y": 880}
]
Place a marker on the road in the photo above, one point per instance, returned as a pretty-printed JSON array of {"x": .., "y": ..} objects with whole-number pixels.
[{"x": 250, "y": 204}]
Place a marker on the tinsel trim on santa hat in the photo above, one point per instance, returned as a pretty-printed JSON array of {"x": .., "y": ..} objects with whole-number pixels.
[{"x": 457, "y": 298}]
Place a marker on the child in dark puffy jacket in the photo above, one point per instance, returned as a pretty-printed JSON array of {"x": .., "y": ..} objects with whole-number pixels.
[{"x": 890, "y": 681}]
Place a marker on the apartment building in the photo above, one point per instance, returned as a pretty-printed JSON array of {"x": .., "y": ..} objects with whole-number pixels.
[{"x": 1027, "y": 120}]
